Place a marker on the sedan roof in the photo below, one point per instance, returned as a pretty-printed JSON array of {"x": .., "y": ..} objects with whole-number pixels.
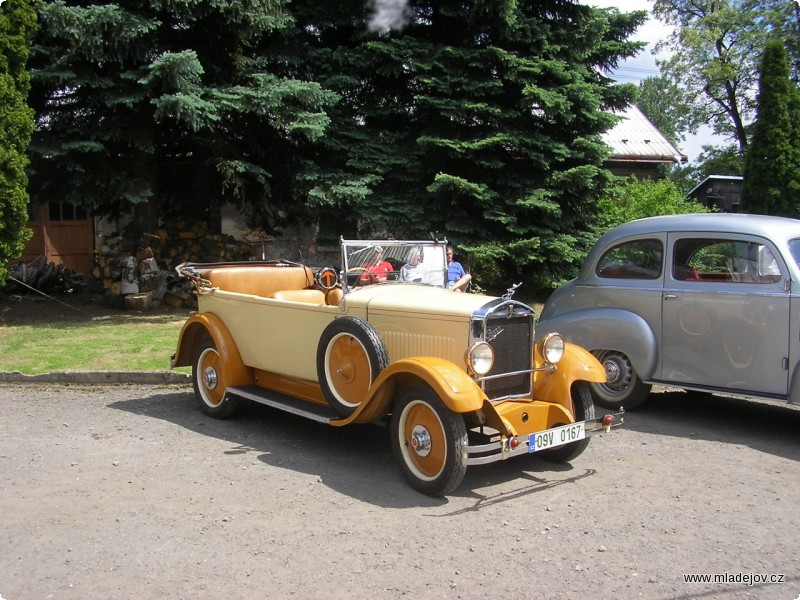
[{"x": 764, "y": 225}]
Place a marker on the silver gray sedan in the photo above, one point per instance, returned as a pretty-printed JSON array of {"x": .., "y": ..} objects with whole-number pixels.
[{"x": 706, "y": 302}]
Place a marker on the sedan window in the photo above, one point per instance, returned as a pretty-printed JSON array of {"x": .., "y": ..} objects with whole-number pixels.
[
  {"x": 794, "y": 248},
  {"x": 739, "y": 261},
  {"x": 637, "y": 259}
]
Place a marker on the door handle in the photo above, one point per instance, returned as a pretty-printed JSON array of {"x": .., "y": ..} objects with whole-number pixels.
[{"x": 667, "y": 296}]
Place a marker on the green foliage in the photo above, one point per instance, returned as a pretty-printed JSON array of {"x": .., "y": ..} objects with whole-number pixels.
[
  {"x": 661, "y": 100},
  {"x": 771, "y": 163},
  {"x": 169, "y": 102},
  {"x": 17, "y": 25},
  {"x": 481, "y": 121},
  {"x": 713, "y": 160},
  {"x": 714, "y": 52},
  {"x": 637, "y": 199}
]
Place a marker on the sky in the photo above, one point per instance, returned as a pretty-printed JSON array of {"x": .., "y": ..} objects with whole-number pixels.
[{"x": 643, "y": 65}]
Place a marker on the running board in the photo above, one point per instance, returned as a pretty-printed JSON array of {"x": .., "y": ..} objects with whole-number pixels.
[{"x": 302, "y": 408}]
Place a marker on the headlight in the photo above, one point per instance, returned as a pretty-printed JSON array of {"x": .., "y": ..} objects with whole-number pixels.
[
  {"x": 552, "y": 348},
  {"x": 480, "y": 358}
]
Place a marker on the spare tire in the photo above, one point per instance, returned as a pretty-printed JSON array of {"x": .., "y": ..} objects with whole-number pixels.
[{"x": 350, "y": 356}]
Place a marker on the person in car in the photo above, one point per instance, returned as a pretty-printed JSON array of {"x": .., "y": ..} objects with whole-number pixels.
[
  {"x": 411, "y": 272},
  {"x": 378, "y": 268},
  {"x": 457, "y": 278}
]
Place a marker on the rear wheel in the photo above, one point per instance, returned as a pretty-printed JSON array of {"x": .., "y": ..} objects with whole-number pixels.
[
  {"x": 622, "y": 387},
  {"x": 429, "y": 442},
  {"x": 209, "y": 383},
  {"x": 584, "y": 409}
]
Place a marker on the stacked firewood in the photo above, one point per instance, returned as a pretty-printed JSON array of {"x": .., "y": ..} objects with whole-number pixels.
[{"x": 139, "y": 270}]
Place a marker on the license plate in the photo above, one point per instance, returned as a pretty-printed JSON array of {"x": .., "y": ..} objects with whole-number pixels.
[{"x": 558, "y": 436}]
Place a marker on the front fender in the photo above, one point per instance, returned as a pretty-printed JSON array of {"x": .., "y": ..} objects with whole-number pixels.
[
  {"x": 577, "y": 364},
  {"x": 607, "y": 329},
  {"x": 453, "y": 385},
  {"x": 202, "y": 325}
]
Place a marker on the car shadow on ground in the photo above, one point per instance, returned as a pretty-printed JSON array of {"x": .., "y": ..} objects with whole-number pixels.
[
  {"x": 355, "y": 461},
  {"x": 763, "y": 425}
]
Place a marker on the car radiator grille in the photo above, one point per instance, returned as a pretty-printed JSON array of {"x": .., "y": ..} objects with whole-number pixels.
[{"x": 512, "y": 340}]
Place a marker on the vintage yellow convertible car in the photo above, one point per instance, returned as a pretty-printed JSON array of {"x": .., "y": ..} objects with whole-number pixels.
[{"x": 457, "y": 375}]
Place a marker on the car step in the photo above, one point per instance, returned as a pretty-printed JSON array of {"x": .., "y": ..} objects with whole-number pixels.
[{"x": 315, "y": 412}]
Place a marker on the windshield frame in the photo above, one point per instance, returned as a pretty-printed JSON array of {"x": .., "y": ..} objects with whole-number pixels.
[{"x": 359, "y": 256}]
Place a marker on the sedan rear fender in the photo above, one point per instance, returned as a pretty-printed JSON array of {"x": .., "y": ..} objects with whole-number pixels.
[
  {"x": 608, "y": 329},
  {"x": 794, "y": 386},
  {"x": 204, "y": 325}
]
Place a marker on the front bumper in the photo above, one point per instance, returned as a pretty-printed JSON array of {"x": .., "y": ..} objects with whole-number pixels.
[{"x": 494, "y": 447}]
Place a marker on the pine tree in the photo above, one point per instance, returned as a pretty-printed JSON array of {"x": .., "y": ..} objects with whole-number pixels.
[
  {"x": 481, "y": 121},
  {"x": 768, "y": 167},
  {"x": 17, "y": 25}
]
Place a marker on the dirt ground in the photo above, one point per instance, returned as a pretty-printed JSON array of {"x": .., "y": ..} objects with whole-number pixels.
[{"x": 130, "y": 492}]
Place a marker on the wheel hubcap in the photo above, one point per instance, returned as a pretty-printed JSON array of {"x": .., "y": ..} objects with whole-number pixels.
[
  {"x": 210, "y": 378},
  {"x": 612, "y": 371},
  {"x": 421, "y": 440}
]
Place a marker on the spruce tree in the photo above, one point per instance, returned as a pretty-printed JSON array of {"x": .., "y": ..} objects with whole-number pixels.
[
  {"x": 481, "y": 121},
  {"x": 165, "y": 103},
  {"x": 17, "y": 25},
  {"x": 769, "y": 158}
]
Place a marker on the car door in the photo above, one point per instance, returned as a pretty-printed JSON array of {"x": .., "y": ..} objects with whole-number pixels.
[{"x": 725, "y": 314}]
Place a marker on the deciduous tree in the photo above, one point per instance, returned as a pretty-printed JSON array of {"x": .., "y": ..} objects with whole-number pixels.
[
  {"x": 17, "y": 25},
  {"x": 714, "y": 56}
]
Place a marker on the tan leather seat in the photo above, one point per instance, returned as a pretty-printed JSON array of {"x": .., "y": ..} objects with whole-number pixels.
[
  {"x": 261, "y": 280},
  {"x": 310, "y": 296}
]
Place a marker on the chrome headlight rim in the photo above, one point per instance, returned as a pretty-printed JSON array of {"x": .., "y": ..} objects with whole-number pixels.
[
  {"x": 552, "y": 348},
  {"x": 480, "y": 358}
]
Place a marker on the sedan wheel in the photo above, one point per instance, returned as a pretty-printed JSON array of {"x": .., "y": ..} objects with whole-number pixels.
[{"x": 622, "y": 387}]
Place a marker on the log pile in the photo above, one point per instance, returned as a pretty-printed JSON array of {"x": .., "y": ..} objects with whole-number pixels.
[
  {"x": 44, "y": 277},
  {"x": 139, "y": 270}
]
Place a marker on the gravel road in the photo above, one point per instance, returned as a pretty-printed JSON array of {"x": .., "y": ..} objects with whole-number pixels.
[{"x": 130, "y": 492}]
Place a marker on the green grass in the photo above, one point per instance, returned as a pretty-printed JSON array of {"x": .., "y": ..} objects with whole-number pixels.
[{"x": 115, "y": 344}]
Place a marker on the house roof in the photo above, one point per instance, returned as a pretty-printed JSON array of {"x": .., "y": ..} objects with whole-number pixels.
[
  {"x": 712, "y": 178},
  {"x": 636, "y": 139}
]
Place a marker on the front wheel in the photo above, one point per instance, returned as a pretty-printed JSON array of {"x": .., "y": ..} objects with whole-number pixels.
[
  {"x": 622, "y": 387},
  {"x": 209, "y": 383},
  {"x": 584, "y": 410},
  {"x": 429, "y": 442}
]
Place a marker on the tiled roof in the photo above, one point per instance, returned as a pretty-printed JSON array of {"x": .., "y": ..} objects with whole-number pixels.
[{"x": 636, "y": 139}]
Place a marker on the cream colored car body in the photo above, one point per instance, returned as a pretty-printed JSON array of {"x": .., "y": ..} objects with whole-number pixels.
[{"x": 358, "y": 351}]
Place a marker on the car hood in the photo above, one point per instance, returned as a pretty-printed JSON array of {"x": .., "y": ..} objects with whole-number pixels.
[{"x": 420, "y": 300}]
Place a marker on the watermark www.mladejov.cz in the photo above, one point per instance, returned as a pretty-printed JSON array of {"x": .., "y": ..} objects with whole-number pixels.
[{"x": 745, "y": 578}]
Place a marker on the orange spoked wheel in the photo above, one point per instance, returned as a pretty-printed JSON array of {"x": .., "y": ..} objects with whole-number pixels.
[
  {"x": 350, "y": 356},
  {"x": 429, "y": 442},
  {"x": 209, "y": 383}
]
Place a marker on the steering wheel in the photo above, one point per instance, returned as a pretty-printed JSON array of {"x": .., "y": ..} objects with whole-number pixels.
[
  {"x": 327, "y": 278},
  {"x": 364, "y": 276}
]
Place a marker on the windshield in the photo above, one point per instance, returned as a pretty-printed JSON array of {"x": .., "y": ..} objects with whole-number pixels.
[{"x": 392, "y": 261}]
